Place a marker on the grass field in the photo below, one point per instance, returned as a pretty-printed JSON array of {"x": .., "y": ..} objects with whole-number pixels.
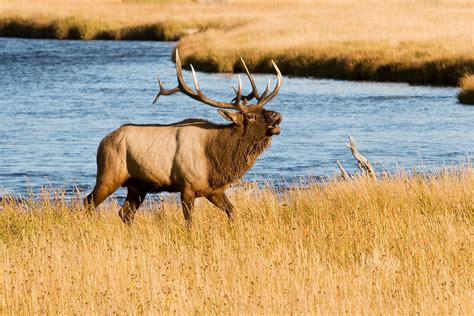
[
  {"x": 394, "y": 246},
  {"x": 398, "y": 245},
  {"x": 426, "y": 42}
]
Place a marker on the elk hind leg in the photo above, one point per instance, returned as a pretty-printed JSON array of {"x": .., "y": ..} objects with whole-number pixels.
[
  {"x": 187, "y": 202},
  {"x": 100, "y": 193},
  {"x": 222, "y": 202},
  {"x": 110, "y": 176}
]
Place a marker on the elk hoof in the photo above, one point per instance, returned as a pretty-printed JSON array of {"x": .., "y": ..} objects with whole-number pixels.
[
  {"x": 231, "y": 217},
  {"x": 127, "y": 218}
]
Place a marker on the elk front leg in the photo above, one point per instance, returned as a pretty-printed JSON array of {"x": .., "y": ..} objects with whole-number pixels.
[
  {"x": 222, "y": 202},
  {"x": 187, "y": 202}
]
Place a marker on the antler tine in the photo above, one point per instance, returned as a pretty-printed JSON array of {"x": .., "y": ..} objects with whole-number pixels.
[
  {"x": 254, "y": 93},
  {"x": 264, "y": 94},
  {"x": 238, "y": 100},
  {"x": 196, "y": 83},
  {"x": 262, "y": 100},
  {"x": 181, "y": 84},
  {"x": 238, "y": 92},
  {"x": 164, "y": 91}
]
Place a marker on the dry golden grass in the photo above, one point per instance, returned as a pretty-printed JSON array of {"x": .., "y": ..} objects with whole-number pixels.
[
  {"x": 466, "y": 92},
  {"x": 101, "y": 20},
  {"x": 396, "y": 246},
  {"x": 412, "y": 42},
  {"x": 416, "y": 41}
]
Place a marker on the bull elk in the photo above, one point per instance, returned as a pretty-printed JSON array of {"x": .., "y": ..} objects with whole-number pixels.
[{"x": 194, "y": 157}]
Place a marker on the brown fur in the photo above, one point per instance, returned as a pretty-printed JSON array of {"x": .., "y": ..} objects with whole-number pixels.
[{"x": 231, "y": 154}]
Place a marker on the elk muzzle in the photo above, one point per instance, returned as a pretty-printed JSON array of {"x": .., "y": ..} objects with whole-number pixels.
[{"x": 274, "y": 119}]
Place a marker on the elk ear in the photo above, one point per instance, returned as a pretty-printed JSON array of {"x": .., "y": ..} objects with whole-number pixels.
[{"x": 230, "y": 116}]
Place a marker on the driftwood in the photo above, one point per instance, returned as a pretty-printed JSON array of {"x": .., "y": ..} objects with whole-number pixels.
[
  {"x": 344, "y": 173},
  {"x": 362, "y": 162}
]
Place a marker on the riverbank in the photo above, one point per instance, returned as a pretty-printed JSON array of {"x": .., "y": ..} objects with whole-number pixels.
[
  {"x": 466, "y": 92},
  {"x": 398, "y": 245},
  {"x": 418, "y": 43}
]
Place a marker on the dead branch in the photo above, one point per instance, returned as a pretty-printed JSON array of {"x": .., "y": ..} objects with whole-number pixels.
[
  {"x": 344, "y": 173},
  {"x": 362, "y": 162}
]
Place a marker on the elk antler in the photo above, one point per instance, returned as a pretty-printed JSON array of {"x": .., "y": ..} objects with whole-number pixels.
[
  {"x": 254, "y": 93},
  {"x": 236, "y": 102},
  {"x": 264, "y": 98},
  {"x": 261, "y": 100},
  {"x": 198, "y": 95},
  {"x": 164, "y": 91}
]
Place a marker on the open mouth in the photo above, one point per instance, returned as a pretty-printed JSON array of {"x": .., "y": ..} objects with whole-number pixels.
[{"x": 274, "y": 128}]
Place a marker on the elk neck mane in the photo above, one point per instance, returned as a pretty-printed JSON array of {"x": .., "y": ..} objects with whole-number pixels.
[{"x": 231, "y": 152}]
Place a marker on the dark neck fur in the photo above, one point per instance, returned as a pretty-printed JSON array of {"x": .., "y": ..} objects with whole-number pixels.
[{"x": 231, "y": 152}]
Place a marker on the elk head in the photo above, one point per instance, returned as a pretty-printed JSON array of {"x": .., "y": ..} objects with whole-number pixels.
[{"x": 251, "y": 119}]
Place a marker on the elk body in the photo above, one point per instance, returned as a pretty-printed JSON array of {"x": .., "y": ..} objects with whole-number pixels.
[{"x": 194, "y": 157}]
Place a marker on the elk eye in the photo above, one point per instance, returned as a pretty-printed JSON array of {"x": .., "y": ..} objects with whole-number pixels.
[{"x": 250, "y": 117}]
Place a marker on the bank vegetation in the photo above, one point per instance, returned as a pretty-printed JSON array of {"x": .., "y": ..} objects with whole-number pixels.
[
  {"x": 425, "y": 42},
  {"x": 466, "y": 89}
]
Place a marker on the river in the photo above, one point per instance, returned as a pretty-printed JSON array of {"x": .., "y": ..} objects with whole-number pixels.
[{"x": 58, "y": 99}]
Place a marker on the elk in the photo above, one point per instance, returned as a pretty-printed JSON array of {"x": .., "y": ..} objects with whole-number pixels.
[{"x": 194, "y": 157}]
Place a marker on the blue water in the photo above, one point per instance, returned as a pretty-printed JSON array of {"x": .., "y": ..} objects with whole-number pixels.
[{"x": 58, "y": 99}]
